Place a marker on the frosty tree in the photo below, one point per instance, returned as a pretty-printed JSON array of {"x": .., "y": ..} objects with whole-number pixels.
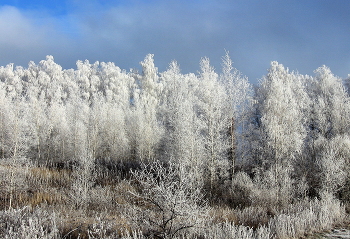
[
  {"x": 281, "y": 115},
  {"x": 183, "y": 139},
  {"x": 282, "y": 132},
  {"x": 147, "y": 132},
  {"x": 328, "y": 122},
  {"x": 212, "y": 100},
  {"x": 239, "y": 98}
]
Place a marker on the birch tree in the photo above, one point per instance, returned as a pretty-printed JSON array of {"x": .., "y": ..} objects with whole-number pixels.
[
  {"x": 330, "y": 106},
  {"x": 147, "y": 132},
  {"x": 329, "y": 123},
  {"x": 239, "y": 100},
  {"x": 212, "y": 99},
  {"x": 281, "y": 114},
  {"x": 280, "y": 99},
  {"x": 184, "y": 141}
]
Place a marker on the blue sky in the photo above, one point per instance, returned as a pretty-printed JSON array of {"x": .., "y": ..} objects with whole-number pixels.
[{"x": 302, "y": 35}]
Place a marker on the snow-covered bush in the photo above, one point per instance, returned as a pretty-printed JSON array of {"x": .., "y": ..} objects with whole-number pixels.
[
  {"x": 28, "y": 223},
  {"x": 165, "y": 205}
]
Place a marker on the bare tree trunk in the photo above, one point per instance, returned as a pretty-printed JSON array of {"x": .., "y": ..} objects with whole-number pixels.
[
  {"x": 17, "y": 132},
  {"x": 232, "y": 151}
]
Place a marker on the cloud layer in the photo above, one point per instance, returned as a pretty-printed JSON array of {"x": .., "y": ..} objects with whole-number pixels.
[{"x": 302, "y": 35}]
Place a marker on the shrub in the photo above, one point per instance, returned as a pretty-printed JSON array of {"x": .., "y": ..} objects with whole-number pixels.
[
  {"x": 28, "y": 223},
  {"x": 165, "y": 204}
]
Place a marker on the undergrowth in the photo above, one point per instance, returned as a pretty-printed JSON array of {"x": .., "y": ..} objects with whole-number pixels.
[{"x": 152, "y": 202}]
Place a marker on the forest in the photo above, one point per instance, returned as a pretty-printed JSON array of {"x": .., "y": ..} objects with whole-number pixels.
[{"x": 101, "y": 152}]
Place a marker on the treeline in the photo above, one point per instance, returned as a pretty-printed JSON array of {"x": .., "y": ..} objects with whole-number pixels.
[
  {"x": 293, "y": 127},
  {"x": 189, "y": 142}
]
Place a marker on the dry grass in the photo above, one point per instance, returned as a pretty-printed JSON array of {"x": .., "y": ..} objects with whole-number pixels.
[
  {"x": 42, "y": 176},
  {"x": 32, "y": 186},
  {"x": 40, "y": 197},
  {"x": 32, "y": 198},
  {"x": 77, "y": 224},
  {"x": 255, "y": 216},
  {"x": 49, "y": 190},
  {"x": 223, "y": 214},
  {"x": 41, "y": 187}
]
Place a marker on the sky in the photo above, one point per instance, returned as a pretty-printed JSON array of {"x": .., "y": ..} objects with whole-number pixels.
[{"x": 301, "y": 35}]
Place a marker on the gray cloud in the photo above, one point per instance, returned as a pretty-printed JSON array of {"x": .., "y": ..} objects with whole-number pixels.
[
  {"x": 25, "y": 37},
  {"x": 302, "y": 35}
]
